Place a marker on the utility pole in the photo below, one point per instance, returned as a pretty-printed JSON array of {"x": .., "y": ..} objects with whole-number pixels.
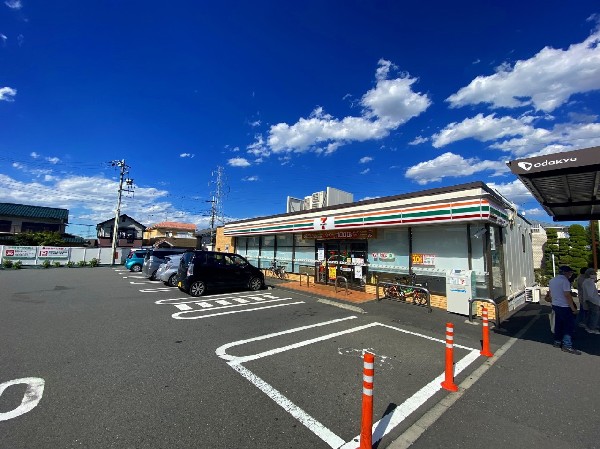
[{"x": 124, "y": 169}]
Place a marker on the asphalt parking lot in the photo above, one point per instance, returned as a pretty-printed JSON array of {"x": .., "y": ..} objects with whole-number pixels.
[{"x": 109, "y": 359}]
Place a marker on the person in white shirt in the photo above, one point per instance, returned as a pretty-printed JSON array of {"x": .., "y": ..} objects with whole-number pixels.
[
  {"x": 592, "y": 299},
  {"x": 564, "y": 309}
]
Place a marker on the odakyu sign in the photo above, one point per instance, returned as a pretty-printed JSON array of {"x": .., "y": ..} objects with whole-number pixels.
[
  {"x": 556, "y": 161},
  {"x": 527, "y": 166}
]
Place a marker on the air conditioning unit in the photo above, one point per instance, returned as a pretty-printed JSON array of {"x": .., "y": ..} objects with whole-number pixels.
[
  {"x": 307, "y": 202},
  {"x": 318, "y": 200},
  {"x": 532, "y": 294}
]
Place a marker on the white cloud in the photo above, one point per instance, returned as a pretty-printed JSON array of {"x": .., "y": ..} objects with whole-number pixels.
[
  {"x": 365, "y": 171},
  {"x": 255, "y": 123},
  {"x": 7, "y": 93},
  {"x": 451, "y": 165},
  {"x": 525, "y": 139},
  {"x": 258, "y": 148},
  {"x": 4, "y": 38},
  {"x": 34, "y": 155},
  {"x": 388, "y": 105},
  {"x": 250, "y": 178},
  {"x": 366, "y": 159},
  {"x": 384, "y": 68},
  {"x": 183, "y": 155},
  {"x": 53, "y": 160},
  {"x": 13, "y": 4},
  {"x": 92, "y": 199},
  {"x": 18, "y": 165},
  {"x": 238, "y": 162},
  {"x": 482, "y": 128},
  {"x": 418, "y": 140},
  {"x": 515, "y": 191},
  {"x": 546, "y": 81}
]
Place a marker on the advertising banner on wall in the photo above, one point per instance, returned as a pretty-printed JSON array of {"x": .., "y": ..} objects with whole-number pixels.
[
  {"x": 19, "y": 252},
  {"x": 54, "y": 252},
  {"x": 427, "y": 260}
]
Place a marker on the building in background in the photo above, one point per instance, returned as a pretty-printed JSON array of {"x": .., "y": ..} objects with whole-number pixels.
[
  {"x": 130, "y": 232},
  {"x": 171, "y": 234},
  {"x": 17, "y": 218},
  {"x": 325, "y": 198}
]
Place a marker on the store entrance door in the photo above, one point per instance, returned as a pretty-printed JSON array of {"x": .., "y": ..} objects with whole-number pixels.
[{"x": 345, "y": 258}]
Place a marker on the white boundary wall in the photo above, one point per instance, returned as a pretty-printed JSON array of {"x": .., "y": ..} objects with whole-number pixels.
[{"x": 36, "y": 255}]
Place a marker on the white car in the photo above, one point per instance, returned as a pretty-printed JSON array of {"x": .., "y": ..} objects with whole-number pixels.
[{"x": 167, "y": 272}]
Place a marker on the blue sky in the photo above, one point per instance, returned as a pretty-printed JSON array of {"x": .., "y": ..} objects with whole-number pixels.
[{"x": 375, "y": 98}]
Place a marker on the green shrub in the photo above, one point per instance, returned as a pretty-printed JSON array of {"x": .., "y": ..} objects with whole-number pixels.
[
  {"x": 46, "y": 264},
  {"x": 70, "y": 264},
  {"x": 7, "y": 263},
  {"x": 57, "y": 264},
  {"x": 82, "y": 263},
  {"x": 94, "y": 262},
  {"x": 17, "y": 265}
]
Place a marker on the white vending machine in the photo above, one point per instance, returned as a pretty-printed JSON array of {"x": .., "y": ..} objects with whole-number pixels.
[{"x": 460, "y": 288}]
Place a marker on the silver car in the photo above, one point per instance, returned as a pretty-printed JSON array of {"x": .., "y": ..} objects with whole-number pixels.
[
  {"x": 154, "y": 257},
  {"x": 167, "y": 272}
]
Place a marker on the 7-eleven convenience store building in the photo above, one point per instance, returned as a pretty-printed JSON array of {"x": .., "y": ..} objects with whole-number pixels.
[{"x": 468, "y": 228}]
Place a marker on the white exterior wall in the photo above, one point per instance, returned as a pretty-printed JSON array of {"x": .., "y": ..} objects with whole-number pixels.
[
  {"x": 518, "y": 258},
  {"x": 75, "y": 255}
]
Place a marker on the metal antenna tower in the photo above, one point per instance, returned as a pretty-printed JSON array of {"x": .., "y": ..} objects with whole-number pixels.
[
  {"x": 216, "y": 210},
  {"x": 124, "y": 170}
]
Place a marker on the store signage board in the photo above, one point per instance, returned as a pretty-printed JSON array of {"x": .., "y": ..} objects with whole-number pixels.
[{"x": 359, "y": 234}]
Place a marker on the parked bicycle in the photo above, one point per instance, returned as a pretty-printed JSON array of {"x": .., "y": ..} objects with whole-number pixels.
[
  {"x": 404, "y": 290},
  {"x": 277, "y": 271}
]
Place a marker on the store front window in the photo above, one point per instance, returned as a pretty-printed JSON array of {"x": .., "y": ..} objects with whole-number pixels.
[
  {"x": 497, "y": 262},
  {"x": 344, "y": 258}
]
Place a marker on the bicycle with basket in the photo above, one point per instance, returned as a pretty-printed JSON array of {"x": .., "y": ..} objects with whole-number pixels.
[{"x": 406, "y": 288}]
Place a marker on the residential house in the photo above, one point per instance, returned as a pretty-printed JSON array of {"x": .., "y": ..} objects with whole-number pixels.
[
  {"x": 17, "y": 218},
  {"x": 171, "y": 234},
  {"x": 130, "y": 232}
]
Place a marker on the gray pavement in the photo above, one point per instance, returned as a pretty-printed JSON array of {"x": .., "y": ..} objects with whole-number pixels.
[{"x": 121, "y": 371}]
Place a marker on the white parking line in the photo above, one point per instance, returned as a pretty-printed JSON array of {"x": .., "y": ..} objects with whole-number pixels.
[
  {"x": 206, "y": 305},
  {"x": 156, "y": 290},
  {"x": 241, "y": 298},
  {"x": 381, "y": 427}
]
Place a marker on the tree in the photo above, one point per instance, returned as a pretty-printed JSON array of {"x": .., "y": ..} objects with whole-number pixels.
[
  {"x": 44, "y": 238},
  {"x": 580, "y": 248},
  {"x": 551, "y": 247},
  {"x": 575, "y": 250}
]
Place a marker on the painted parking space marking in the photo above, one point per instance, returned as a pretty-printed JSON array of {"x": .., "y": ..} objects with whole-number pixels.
[
  {"x": 156, "y": 290},
  {"x": 380, "y": 428},
  {"x": 33, "y": 395},
  {"x": 191, "y": 308}
]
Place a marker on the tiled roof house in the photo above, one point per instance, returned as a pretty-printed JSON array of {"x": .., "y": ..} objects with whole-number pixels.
[
  {"x": 16, "y": 218},
  {"x": 171, "y": 233}
]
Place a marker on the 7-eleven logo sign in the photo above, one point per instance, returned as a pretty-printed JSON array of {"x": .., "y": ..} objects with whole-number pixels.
[{"x": 323, "y": 223}]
